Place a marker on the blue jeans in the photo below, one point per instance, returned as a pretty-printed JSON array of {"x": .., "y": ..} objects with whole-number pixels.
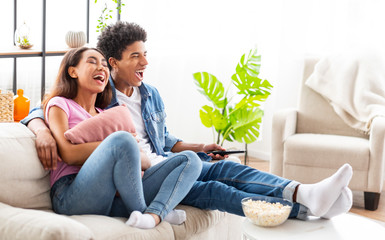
[
  {"x": 115, "y": 166},
  {"x": 222, "y": 186}
]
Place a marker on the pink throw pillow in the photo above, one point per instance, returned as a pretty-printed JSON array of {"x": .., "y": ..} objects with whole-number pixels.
[{"x": 100, "y": 126}]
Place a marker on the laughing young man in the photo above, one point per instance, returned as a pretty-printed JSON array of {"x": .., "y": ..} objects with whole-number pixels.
[{"x": 221, "y": 185}]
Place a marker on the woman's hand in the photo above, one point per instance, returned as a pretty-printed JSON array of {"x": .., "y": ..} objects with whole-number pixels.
[{"x": 145, "y": 161}]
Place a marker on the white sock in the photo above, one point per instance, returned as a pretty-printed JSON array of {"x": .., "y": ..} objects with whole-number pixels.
[
  {"x": 176, "y": 217},
  {"x": 139, "y": 220},
  {"x": 319, "y": 197},
  {"x": 342, "y": 205}
]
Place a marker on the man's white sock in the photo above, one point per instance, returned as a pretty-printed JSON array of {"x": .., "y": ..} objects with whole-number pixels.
[
  {"x": 139, "y": 220},
  {"x": 176, "y": 217},
  {"x": 342, "y": 205},
  {"x": 319, "y": 197}
]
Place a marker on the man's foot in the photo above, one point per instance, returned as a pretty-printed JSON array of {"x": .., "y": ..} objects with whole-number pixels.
[
  {"x": 319, "y": 197},
  {"x": 139, "y": 220},
  {"x": 176, "y": 217},
  {"x": 342, "y": 205}
]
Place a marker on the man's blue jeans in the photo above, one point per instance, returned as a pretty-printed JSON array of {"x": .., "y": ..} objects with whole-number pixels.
[
  {"x": 115, "y": 166},
  {"x": 222, "y": 186}
]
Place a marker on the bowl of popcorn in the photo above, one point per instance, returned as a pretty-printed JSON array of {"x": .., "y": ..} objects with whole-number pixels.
[{"x": 266, "y": 211}]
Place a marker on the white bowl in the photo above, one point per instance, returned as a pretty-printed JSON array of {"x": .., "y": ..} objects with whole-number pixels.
[{"x": 266, "y": 211}]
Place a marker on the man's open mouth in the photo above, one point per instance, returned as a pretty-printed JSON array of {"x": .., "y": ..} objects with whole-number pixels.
[{"x": 139, "y": 74}]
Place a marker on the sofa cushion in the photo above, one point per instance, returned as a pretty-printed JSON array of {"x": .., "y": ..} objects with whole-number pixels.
[
  {"x": 309, "y": 158},
  {"x": 199, "y": 225},
  {"x": 18, "y": 223},
  {"x": 197, "y": 221},
  {"x": 114, "y": 228},
  {"x": 319, "y": 150},
  {"x": 24, "y": 182}
]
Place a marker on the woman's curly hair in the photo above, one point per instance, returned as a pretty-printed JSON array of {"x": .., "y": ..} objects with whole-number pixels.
[{"x": 115, "y": 38}]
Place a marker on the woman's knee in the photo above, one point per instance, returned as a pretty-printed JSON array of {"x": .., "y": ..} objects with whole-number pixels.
[
  {"x": 193, "y": 160},
  {"x": 121, "y": 138}
]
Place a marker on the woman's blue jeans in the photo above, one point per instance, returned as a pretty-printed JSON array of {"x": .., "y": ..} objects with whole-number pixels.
[
  {"x": 222, "y": 186},
  {"x": 115, "y": 166}
]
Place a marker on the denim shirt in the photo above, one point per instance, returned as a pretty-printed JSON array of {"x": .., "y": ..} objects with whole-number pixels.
[
  {"x": 153, "y": 114},
  {"x": 154, "y": 118}
]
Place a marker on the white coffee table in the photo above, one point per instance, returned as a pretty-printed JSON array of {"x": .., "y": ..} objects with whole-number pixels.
[{"x": 346, "y": 226}]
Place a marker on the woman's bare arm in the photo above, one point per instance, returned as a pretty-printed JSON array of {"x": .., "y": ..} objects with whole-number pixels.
[{"x": 72, "y": 154}]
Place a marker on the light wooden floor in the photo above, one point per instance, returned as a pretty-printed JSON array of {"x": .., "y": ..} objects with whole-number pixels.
[{"x": 358, "y": 198}]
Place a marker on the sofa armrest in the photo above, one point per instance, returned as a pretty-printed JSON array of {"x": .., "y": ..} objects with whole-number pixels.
[
  {"x": 377, "y": 148},
  {"x": 18, "y": 223},
  {"x": 284, "y": 125}
]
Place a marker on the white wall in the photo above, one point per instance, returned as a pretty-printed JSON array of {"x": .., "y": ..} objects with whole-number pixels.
[
  {"x": 185, "y": 37},
  {"x": 210, "y": 35}
]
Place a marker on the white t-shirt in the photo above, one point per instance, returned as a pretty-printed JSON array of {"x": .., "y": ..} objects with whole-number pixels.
[{"x": 133, "y": 103}]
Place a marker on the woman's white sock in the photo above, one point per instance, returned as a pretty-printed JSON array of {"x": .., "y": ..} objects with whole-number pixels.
[
  {"x": 176, "y": 217},
  {"x": 342, "y": 205},
  {"x": 319, "y": 197},
  {"x": 140, "y": 220}
]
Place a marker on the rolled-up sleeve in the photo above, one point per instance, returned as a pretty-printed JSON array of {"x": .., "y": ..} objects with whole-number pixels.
[
  {"x": 170, "y": 141},
  {"x": 36, "y": 112}
]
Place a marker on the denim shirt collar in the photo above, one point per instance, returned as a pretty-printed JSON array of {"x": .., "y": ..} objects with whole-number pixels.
[{"x": 114, "y": 100}]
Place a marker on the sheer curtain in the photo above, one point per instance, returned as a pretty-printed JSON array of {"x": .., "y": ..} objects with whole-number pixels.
[{"x": 210, "y": 35}]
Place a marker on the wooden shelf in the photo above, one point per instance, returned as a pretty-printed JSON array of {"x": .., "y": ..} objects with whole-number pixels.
[
  {"x": 32, "y": 52},
  {"x": 44, "y": 51}
]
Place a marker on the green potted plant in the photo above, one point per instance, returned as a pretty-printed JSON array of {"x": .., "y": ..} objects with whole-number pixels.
[
  {"x": 22, "y": 37},
  {"x": 237, "y": 117}
]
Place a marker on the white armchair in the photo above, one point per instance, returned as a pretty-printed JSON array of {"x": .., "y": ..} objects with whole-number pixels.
[{"x": 310, "y": 143}]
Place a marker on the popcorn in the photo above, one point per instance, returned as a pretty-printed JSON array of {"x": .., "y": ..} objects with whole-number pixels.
[{"x": 264, "y": 213}]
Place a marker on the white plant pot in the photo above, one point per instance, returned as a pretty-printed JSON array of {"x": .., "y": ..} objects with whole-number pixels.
[{"x": 75, "y": 39}]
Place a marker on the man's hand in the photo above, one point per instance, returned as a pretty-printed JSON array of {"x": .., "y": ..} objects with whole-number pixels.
[
  {"x": 46, "y": 148},
  {"x": 214, "y": 147},
  {"x": 45, "y": 144},
  {"x": 181, "y": 146}
]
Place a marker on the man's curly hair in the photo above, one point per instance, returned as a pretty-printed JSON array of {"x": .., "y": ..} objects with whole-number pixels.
[{"x": 115, "y": 38}]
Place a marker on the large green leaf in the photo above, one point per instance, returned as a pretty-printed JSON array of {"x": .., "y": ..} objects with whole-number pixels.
[
  {"x": 248, "y": 85},
  {"x": 250, "y": 65},
  {"x": 249, "y": 102},
  {"x": 246, "y": 76},
  {"x": 245, "y": 124},
  {"x": 211, "y": 87},
  {"x": 212, "y": 117}
]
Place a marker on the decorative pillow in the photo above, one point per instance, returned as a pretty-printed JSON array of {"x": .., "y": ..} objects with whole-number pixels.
[{"x": 100, "y": 126}]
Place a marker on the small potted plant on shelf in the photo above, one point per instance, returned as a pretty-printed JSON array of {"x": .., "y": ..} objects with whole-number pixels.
[
  {"x": 233, "y": 120},
  {"x": 22, "y": 38},
  {"x": 23, "y": 42}
]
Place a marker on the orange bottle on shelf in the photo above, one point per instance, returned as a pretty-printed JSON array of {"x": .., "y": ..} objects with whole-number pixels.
[{"x": 21, "y": 106}]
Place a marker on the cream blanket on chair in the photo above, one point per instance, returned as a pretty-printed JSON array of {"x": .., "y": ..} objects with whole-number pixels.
[{"x": 354, "y": 84}]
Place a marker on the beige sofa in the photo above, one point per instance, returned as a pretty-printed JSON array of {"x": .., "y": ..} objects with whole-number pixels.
[{"x": 25, "y": 206}]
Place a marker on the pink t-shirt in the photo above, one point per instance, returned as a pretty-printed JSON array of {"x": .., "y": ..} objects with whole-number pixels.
[{"x": 75, "y": 114}]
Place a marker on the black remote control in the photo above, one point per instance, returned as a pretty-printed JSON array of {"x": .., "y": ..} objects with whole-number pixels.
[{"x": 222, "y": 153}]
